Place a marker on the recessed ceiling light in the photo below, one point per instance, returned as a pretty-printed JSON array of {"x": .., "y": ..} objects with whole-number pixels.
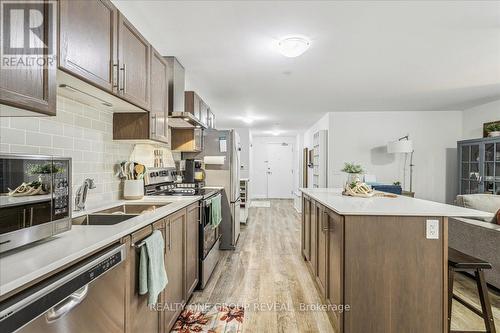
[{"x": 293, "y": 46}]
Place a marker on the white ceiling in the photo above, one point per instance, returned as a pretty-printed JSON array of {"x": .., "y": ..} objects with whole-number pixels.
[{"x": 364, "y": 56}]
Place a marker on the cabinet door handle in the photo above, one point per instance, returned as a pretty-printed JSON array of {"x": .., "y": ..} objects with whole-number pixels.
[
  {"x": 31, "y": 216},
  {"x": 114, "y": 77},
  {"x": 169, "y": 236},
  {"x": 326, "y": 217},
  {"x": 123, "y": 69},
  {"x": 24, "y": 218},
  {"x": 153, "y": 130}
]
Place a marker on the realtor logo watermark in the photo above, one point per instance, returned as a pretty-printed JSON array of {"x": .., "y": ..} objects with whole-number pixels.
[{"x": 27, "y": 33}]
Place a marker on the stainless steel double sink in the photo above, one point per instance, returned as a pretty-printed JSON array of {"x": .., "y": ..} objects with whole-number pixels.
[{"x": 117, "y": 214}]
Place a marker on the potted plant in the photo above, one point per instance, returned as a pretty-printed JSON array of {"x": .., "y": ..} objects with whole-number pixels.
[
  {"x": 44, "y": 173},
  {"x": 353, "y": 171},
  {"x": 493, "y": 129}
]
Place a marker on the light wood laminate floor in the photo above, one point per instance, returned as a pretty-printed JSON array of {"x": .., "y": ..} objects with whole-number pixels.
[{"x": 267, "y": 270}]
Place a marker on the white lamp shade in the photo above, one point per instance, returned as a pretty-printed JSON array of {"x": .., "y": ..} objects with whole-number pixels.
[{"x": 403, "y": 146}]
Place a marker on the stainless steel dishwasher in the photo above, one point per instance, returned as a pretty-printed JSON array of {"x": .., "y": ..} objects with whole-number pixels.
[{"x": 87, "y": 297}]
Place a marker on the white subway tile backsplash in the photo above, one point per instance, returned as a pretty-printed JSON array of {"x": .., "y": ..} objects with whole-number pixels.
[
  {"x": 23, "y": 149},
  {"x": 73, "y": 131},
  {"x": 91, "y": 113},
  {"x": 51, "y": 151},
  {"x": 12, "y": 136},
  {"x": 5, "y": 122},
  {"x": 51, "y": 127},
  {"x": 82, "y": 121},
  {"x": 65, "y": 117},
  {"x": 98, "y": 125},
  {"x": 25, "y": 123},
  {"x": 82, "y": 144},
  {"x": 80, "y": 132},
  {"x": 38, "y": 139},
  {"x": 62, "y": 142}
]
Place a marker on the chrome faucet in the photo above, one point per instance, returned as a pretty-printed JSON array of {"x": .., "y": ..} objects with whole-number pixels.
[{"x": 81, "y": 194}]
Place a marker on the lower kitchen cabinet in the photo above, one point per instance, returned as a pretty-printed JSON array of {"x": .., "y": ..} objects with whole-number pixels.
[
  {"x": 335, "y": 268},
  {"x": 322, "y": 249},
  {"x": 139, "y": 317},
  {"x": 180, "y": 232},
  {"x": 174, "y": 295},
  {"x": 192, "y": 245}
]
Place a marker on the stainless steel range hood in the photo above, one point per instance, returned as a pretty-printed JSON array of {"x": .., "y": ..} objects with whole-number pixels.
[
  {"x": 178, "y": 118},
  {"x": 184, "y": 120}
]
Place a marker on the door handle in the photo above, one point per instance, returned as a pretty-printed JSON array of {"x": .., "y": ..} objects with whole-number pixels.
[
  {"x": 170, "y": 235},
  {"x": 325, "y": 217},
  {"x": 153, "y": 130},
  {"x": 57, "y": 312},
  {"x": 123, "y": 69},
  {"x": 114, "y": 77},
  {"x": 31, "y": 216}
]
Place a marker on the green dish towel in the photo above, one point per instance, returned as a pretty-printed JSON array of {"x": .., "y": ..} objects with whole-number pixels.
[
  {"x": 152, "y": 275},
  {"x": 216, "y": 211}
]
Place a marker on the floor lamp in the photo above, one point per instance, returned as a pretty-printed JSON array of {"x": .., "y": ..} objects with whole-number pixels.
[{"x": 403, "y": 146}]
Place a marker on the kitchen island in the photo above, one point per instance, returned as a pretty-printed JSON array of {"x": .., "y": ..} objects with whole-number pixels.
[{"x": 379, "y": 263}]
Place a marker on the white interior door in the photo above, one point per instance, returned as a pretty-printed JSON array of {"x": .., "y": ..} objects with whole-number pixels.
[{"x": 279, "y": 170}]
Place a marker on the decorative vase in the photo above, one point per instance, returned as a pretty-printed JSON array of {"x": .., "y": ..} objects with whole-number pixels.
[
  {"x": 133, "y": 189},
  {"x": 46, "y": 180},
  {"x": 353, "y": 177},
  {"x": 494, "y": 134}
]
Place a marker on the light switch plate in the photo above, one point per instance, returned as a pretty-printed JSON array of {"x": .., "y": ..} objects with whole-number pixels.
[{"x": 432, "y": 229}]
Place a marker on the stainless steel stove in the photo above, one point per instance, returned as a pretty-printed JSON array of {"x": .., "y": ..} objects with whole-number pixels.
[{"x": 161, "y": 182}]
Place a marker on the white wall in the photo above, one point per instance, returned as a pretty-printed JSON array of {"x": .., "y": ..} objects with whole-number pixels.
[
  {"x": 78, "y": 131},
  {"x": 474, "y": 118},
  {"x": 362, "y": 137},
  {"x": 258, "y": 186}
]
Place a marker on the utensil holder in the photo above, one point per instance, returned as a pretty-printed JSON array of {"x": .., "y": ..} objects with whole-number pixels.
[{"x": 133, "y": 189}]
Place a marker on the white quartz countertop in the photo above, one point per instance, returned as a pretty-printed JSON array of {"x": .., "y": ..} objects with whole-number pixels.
[
  {"x": 380, "y": 206},
  {"x": 19, "y": 267}
]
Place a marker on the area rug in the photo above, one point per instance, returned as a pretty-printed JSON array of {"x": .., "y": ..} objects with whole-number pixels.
[
  {"x": 260, "y": 204},
  {"x": 215, "y": 319}
]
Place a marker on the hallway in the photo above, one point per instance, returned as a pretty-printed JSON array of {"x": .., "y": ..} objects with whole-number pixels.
[{"x": 267, "y": 271}]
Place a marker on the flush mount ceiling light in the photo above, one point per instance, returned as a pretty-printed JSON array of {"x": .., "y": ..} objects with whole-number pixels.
[
  {"x": 293, "y": 46},
  {"x": 248, "y": 120}
]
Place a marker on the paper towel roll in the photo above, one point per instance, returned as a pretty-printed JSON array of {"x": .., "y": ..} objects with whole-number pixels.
[{"x": 219, "y": 160}]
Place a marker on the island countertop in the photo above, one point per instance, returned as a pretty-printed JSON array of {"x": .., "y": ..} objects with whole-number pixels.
[{"x": 386, "y": 206}]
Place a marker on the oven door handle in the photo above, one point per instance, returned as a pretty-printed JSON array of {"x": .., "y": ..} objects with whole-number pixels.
[{"x": 57, "y": 312}]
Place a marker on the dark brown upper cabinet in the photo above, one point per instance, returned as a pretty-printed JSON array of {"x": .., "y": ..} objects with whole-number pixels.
[
  {"x": 192, "y": 103},
  {"x": 159, "y": 97},
  {"x": 150, "y": 126},
  {"x": 134, "y": 64},
  {"x": 30, "y": 90},
  {"x": 88, "y": 41}
]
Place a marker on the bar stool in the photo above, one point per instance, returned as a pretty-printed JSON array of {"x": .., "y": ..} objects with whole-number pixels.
[{"x": 461, "y": 262}]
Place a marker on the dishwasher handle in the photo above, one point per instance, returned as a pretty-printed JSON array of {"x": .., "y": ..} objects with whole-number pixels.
[{"x": 57, "y": 312}]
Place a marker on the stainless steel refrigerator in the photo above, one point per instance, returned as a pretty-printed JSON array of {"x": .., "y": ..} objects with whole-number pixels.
[{"x": 226, "y": 144}]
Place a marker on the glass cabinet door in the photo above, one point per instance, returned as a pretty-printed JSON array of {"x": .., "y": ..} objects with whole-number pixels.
[
  {"x": 480, "y": 167},
  {"x": 470, "y": 165},
  {"x": 491, "y": 178}
]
